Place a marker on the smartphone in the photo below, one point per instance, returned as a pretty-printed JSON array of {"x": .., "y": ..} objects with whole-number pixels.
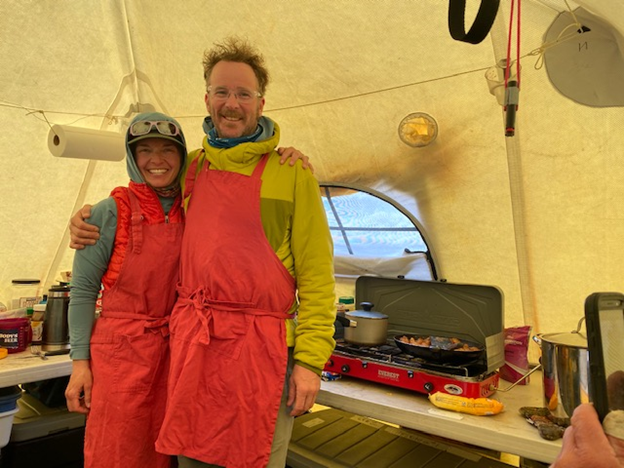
[{"x": 604, "y": 315}]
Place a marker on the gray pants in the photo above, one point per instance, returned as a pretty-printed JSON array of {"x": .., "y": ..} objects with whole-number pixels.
[{"x": 281, "y": 438}]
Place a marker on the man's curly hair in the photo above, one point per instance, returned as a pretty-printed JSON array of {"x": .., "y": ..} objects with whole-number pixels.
[{"x": 234, "y": 49}]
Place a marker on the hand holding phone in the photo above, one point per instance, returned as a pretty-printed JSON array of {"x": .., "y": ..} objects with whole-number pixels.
[{"x": 604, "y": 314}]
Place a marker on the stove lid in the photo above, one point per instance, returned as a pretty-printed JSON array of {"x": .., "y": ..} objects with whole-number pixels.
[{"x": 465, "y": 311}]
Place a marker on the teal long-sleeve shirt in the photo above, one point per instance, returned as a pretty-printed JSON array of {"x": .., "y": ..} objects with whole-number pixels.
[{"x": 89, "y": 267}]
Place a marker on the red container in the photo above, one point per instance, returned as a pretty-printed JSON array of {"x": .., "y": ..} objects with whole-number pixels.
[{"x": 15, "y": 334}]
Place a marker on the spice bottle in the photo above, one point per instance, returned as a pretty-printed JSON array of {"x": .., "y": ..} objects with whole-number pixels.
[{"x": 346, "y": 303}]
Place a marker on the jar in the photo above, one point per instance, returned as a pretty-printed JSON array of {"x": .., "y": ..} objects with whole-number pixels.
[
  {"x": 347, "y": 303},
  {"x": 15, "y": 334},
  {"x": 25, "y": 293},
  {"x": 36, "y": 324}
]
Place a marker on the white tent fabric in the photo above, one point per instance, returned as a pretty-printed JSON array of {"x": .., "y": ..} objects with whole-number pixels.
[{"x": 538, "y": 215}]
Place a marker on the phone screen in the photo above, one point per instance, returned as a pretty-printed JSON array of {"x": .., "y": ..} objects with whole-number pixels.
[{"x": 612, "y": 335}]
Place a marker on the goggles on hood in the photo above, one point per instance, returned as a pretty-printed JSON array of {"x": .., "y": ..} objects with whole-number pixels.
[{"x": 164, "y": 127}]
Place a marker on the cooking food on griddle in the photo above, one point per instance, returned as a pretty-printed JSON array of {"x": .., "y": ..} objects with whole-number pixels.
[
  {"x": 440, "y": 342},
  {"x": 420, "y": 341}
]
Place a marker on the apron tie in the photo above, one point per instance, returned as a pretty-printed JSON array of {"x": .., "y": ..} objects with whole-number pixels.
[
  {"x": 158, "y": 326},
  {"x": 205, "y": 307}
]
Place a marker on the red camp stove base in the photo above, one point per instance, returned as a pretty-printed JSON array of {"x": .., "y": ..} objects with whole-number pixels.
[{"x": 419, "y": 380}]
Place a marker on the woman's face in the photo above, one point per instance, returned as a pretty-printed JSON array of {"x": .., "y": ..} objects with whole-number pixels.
[{"x": 158, "y": 160}]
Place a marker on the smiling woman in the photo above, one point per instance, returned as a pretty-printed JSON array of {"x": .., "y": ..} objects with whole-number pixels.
[
  {"x": 159, "y": 161},
  {"x": 121, "y": 359}
]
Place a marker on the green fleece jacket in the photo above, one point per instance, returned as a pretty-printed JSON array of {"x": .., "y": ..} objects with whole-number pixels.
[{"x": 295, "y": 224}]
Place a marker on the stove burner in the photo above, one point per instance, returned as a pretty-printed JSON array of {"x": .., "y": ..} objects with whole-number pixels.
[{"x": 391, "y": 354}]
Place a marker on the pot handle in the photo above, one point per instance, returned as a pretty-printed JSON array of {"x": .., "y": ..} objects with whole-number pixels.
[
  {"x": 539, "y": 366},
  {"x": 578, "y": 326},
  {"x": 347, "y": 323},
  {"x": 538, "y": 339}
]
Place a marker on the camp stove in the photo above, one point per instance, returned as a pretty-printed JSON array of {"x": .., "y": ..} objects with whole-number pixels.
[
  {"x": 469, "y": 312},
  {"x": 387, "y": 364}
]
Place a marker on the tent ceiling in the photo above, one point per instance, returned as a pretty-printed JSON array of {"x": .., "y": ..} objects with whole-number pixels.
[{"x": 344, "y": 74}]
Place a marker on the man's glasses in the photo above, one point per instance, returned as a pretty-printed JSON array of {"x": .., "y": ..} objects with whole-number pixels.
[
  {"x": 164, "y": 127},
  {"x": 241, "y": 94}
]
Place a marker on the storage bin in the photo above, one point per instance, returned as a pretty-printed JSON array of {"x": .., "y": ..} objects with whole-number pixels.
[
  {"x": 44, "y": 437},
  {"x": 8, "y": 409}
]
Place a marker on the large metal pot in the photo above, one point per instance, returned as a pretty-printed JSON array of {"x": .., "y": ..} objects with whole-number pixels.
[
  {"x": 565, "y": 367},
  {"x": 364, "y": 327}
]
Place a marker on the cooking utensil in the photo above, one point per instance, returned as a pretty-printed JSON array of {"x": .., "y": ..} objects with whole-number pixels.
[
  {"x": 442, "y": 351},
  {"x": 566, "y": 376},
  {"x": 364, "y": 327}
]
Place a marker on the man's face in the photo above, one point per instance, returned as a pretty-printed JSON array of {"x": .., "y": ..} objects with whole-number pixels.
[{"x": 233, "y": 117}]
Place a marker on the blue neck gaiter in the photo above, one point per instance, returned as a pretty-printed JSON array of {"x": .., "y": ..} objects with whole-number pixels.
[{"x": 264, "y": 130}]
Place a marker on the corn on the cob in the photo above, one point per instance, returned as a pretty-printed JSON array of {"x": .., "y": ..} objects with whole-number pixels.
[{"x": 476, "y": 406}]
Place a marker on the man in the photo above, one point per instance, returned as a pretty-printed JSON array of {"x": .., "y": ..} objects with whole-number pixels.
[{"x": 256, "y": 251}]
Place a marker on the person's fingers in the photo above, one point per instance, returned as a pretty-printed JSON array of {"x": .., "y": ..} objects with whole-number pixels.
[
  {"x": 85, "y": 211},
  {"x": 305, "y": 161},
  {"x": 72, "y": 396},
  {"x": 87, "y": 396},
  {"x": 292, "y": 392},
  {"x": 78, "y": 226},
  {"x": 285, "y": 153}
]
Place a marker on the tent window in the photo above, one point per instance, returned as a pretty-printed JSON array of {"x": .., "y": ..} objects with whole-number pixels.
[{"x": 365, "y": 223}]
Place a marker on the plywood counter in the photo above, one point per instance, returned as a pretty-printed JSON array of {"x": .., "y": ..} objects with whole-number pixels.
[{"x": 505, "y": 432}]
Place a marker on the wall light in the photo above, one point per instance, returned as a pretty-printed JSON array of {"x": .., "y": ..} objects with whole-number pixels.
[{"x": 418, "y": 129}]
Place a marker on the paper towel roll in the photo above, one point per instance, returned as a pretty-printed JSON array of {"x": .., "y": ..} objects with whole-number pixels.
[{"x": 86, "y": 143}]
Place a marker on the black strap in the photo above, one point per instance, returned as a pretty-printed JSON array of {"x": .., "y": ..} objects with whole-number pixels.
[{"x": 482, "y": 23}]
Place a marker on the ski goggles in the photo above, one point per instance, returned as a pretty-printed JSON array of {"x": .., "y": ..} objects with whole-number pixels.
[{"x": 164, "y": 127}]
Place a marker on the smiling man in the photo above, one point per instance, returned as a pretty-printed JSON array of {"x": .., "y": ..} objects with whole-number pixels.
[{"x": 253, "y": 324}]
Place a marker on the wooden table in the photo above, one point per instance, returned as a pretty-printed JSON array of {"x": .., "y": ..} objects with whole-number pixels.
[{"x": 505, "y": 432}]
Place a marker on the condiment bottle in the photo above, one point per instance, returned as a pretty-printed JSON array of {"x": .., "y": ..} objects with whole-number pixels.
[{"x": 348, "y": 303}]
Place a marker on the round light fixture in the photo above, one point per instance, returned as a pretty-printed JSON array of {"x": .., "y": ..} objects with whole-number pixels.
[{"x": 418, "y": 129}]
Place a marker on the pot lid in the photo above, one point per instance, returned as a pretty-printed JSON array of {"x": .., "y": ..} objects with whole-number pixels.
[
  {"x": 367, "y": 314},
  {"x": 568, "y": 339}
]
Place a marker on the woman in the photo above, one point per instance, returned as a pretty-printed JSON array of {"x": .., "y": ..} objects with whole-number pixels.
[{"x": 120, "y": 363}]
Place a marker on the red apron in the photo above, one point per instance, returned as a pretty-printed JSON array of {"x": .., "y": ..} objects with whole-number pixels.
[
  {"x": 130, "y": 350},
  {"x": 228, "y": 336}
]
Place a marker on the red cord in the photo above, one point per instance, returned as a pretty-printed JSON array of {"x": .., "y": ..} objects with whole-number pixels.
[
  {"x": 507, "y": 65},
  {"x": 518, "y": 49}
]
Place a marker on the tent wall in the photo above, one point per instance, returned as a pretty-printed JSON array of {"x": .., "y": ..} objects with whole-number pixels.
[{"x": 343, "y": 76}]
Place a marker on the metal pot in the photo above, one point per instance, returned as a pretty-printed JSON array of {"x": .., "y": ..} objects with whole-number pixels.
[
  {"x": 565, "y": 367},
  {"x": 364, "y": 327}
]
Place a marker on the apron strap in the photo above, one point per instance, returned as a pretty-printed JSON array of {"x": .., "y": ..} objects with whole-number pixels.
[
  {"x": 259, "y": 169},
  {"x": 191, "y": 176},
  {"x": 136, "y": 224}
]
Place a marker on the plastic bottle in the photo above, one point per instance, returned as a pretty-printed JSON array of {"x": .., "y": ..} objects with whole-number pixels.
[
  {"x": 36, "y": 324},
  {"x": 348, "y": 302}
]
